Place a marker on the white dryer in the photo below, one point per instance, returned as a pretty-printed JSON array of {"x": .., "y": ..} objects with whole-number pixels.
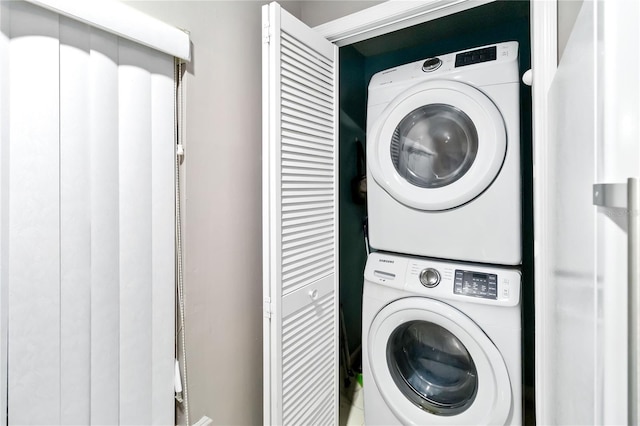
[
  {"x": 441, "y": 343},
  {"x": 443, "y": 154}
]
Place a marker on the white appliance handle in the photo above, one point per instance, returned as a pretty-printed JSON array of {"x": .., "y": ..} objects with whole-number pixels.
[{"x": 627, "y": 196}]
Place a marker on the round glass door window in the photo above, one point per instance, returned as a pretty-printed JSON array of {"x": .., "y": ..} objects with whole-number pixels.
[
  {"x": 432, "y": 368},
  {"x": 434, "y": 145}
]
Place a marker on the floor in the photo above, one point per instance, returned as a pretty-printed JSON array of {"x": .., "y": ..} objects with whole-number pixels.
[{"x": 351, "y": 404}]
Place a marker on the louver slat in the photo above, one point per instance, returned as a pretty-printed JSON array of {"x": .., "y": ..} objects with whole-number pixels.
[
  {"x": 303, "y": 214},
  {"x": 307, "y": 207},
  {"x": 296, "y": 61},
  {"x": 302, "y": 171},
  {"x": 306, "y": 159},
  {"x": 312, "y": 57},
  {"x": 296, "y": 245},
  {"x": 297, "y": 201},
  {"x": 309, "y": 247},
  {"x": 297, "y": 87},
  {"x": 299, "y": 149},
  {"x": 305, "y": 231},
  {"x": 293, "y": 110},
  {"x": 289, "y": 95},
  {"x": 306, "y": 178},
  {"x": 306, "y": 107},
  {"x": 301, "y": 164},
  {"x": 295, "y": 75}
]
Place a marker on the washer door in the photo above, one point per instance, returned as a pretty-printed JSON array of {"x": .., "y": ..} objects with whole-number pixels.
[
  {"x": 433, "y": 365},
  {"x": 438, "y": 145}
]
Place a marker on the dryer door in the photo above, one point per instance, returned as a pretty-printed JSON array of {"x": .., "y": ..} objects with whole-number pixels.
[
  {"x": 438, "y": 145},
  {"x": 433, "y": 365}
]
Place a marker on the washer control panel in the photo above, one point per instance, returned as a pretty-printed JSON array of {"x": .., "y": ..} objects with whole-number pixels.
[
  {"x": 476, "y": 284},
  {"x": 430, "y": 277},
  {"x": 444, "y": 280}
]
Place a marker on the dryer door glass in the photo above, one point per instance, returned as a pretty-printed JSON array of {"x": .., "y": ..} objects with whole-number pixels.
[
  {"x": 432, "y": 368},
  {"x": 434, "y": 145}
]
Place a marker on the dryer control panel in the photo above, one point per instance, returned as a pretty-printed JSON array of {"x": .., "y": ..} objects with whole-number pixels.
[{"x": 480, "y": 66}]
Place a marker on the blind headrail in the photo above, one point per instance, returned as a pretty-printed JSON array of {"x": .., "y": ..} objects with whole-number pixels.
[{"x": 124, "y": 21}]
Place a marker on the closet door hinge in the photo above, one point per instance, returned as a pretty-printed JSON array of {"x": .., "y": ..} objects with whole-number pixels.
[
  {"x": 266, "y": 33},
  {"x": 267, "y": 308}
]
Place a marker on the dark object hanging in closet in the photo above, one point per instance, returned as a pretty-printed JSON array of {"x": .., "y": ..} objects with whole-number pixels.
[{"x": 359, "y": 182}]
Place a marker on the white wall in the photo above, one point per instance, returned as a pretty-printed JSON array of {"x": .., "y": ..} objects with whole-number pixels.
[
  {"x": 315, "y": 12},
  {"x": 567, "y": 14},
  {"x": 222, "y": 225}
]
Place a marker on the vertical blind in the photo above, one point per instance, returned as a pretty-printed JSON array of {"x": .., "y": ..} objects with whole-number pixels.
[{"x": 86, "y": 223}]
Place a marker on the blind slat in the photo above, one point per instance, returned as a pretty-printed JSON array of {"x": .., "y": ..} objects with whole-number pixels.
[
  {"x": 34, "y": 219},
  {"x": 105, "y": 243},
  {"x": 75, "y": 225}
]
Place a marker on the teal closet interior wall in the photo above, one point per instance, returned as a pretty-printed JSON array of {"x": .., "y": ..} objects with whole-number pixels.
[
  {"x": 353, "y": 91},
  {"x": 492, "y": 23}
]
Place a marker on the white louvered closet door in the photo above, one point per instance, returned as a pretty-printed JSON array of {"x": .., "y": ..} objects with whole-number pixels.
[{"x": 300, "y": 228}]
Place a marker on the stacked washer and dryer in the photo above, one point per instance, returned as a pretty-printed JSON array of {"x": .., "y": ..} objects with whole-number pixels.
[{"x": 441, "y": 304}]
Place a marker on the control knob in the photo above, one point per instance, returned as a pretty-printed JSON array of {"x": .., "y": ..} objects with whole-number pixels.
[
  {"x": 431, "y": 64},
  {"x": 430, "y": 277}
]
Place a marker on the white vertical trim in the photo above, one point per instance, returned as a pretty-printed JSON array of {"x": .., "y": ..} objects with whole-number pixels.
[
  {"x": 336, "y": 189},
  {"x": 267, "y": 244},
  {"x": 75, "y": 225},
  {"x": 122, "y": 20},
  {"x": 105, "y": 243},
  {"x": 273, "y": 284},
  {"x": 4, "y": 201},
  {"x": 34, "y": 228},
  {"x": 544, "y": 42},
  {"x": 135, "y": 234}
]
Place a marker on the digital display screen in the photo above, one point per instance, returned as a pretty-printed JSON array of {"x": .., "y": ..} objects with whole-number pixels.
[{"x": 476, "y": 56}]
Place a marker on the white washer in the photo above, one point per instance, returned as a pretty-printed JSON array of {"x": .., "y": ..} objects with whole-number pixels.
[
  {"x": 443, "y": 151},
  {"x": 441, "y": 343}
]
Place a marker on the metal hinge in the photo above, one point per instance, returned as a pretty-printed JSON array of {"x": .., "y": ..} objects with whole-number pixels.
[
  {"x": 266, "y": 33},
  {"x": 267, "y": 308},
  {"x": 611, "y": 195}
]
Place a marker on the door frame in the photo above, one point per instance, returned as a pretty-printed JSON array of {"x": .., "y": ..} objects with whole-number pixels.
[{"x": 392, "y": 16}]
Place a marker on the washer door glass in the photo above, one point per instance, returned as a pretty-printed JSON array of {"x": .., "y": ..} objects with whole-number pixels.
[
  {"x": 434, "y": 146},
  {"x": 432, "y": 368}
]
